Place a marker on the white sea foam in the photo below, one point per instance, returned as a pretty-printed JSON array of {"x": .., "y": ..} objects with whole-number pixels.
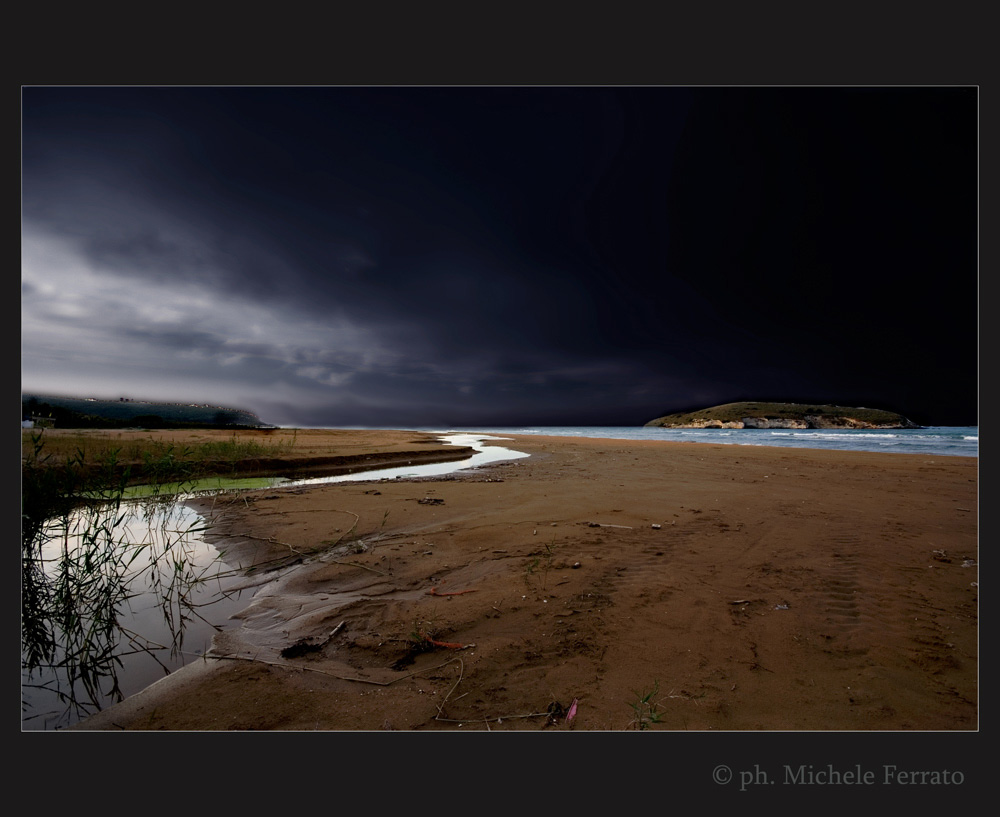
[{"x": 960, "y": 441}]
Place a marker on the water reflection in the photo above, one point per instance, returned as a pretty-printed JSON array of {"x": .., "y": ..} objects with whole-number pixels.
[
  {"x": 157, "y": 592},
  {"x": 485, "y": 455},
  {"x": 136, "y": 597}
]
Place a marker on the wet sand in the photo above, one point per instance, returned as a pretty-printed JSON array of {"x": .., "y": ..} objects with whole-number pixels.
[{"x": 733, "y": 588}]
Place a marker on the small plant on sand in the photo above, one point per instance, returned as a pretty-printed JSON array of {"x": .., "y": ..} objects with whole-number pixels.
[
  {"x": 541, "y": 562},
  {"x": 645, "y": 709},
  {"x": 421, "y": 636}
]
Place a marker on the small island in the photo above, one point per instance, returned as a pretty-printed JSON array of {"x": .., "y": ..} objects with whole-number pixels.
[{"x": 784, "y": 415}]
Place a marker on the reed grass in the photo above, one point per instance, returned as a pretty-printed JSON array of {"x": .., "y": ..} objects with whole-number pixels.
[
  {"x": 82, "y": 562},
  {"x": 147, "y": 456}
]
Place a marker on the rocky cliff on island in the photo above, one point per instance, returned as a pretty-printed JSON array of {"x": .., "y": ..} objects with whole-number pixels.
[{"x": 784, "y": 415}]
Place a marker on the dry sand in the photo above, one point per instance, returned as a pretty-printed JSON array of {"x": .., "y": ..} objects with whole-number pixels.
[{"x": 734, "y": 588}]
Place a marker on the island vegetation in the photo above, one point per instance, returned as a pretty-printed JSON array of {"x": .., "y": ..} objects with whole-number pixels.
[{"x": 783, "y": 415}]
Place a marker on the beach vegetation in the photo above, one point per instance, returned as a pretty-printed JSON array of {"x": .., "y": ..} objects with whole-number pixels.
[
  {"x": 540, "y": 563},
  {"x": 137, "y": 460},
  {"x": 645, "y": 707},
  {"x": 82, "y": 563}
]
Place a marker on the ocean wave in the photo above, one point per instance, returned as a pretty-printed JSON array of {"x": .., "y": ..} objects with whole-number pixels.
[{"x": 956, "y": 441}]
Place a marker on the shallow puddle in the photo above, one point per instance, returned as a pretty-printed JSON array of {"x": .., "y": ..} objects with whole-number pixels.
[{"x": 174, "y": 590}]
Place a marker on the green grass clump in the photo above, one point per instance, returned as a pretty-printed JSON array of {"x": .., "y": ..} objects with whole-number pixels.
[
  {"x": 646, "y": 709},
  {"x": 149, "y": 460}
]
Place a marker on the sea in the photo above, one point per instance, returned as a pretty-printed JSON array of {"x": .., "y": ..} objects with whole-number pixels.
[{"x": 938, "y": 441}]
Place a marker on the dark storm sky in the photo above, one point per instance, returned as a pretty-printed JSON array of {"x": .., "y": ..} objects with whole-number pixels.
[{"x": 447, "y": 257}]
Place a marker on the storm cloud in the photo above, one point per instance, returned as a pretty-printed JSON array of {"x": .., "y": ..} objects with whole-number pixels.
[{"x": 417, "y": 257}]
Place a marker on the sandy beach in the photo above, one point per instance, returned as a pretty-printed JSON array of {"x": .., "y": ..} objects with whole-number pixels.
[{"x": 599, "y": 585}]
